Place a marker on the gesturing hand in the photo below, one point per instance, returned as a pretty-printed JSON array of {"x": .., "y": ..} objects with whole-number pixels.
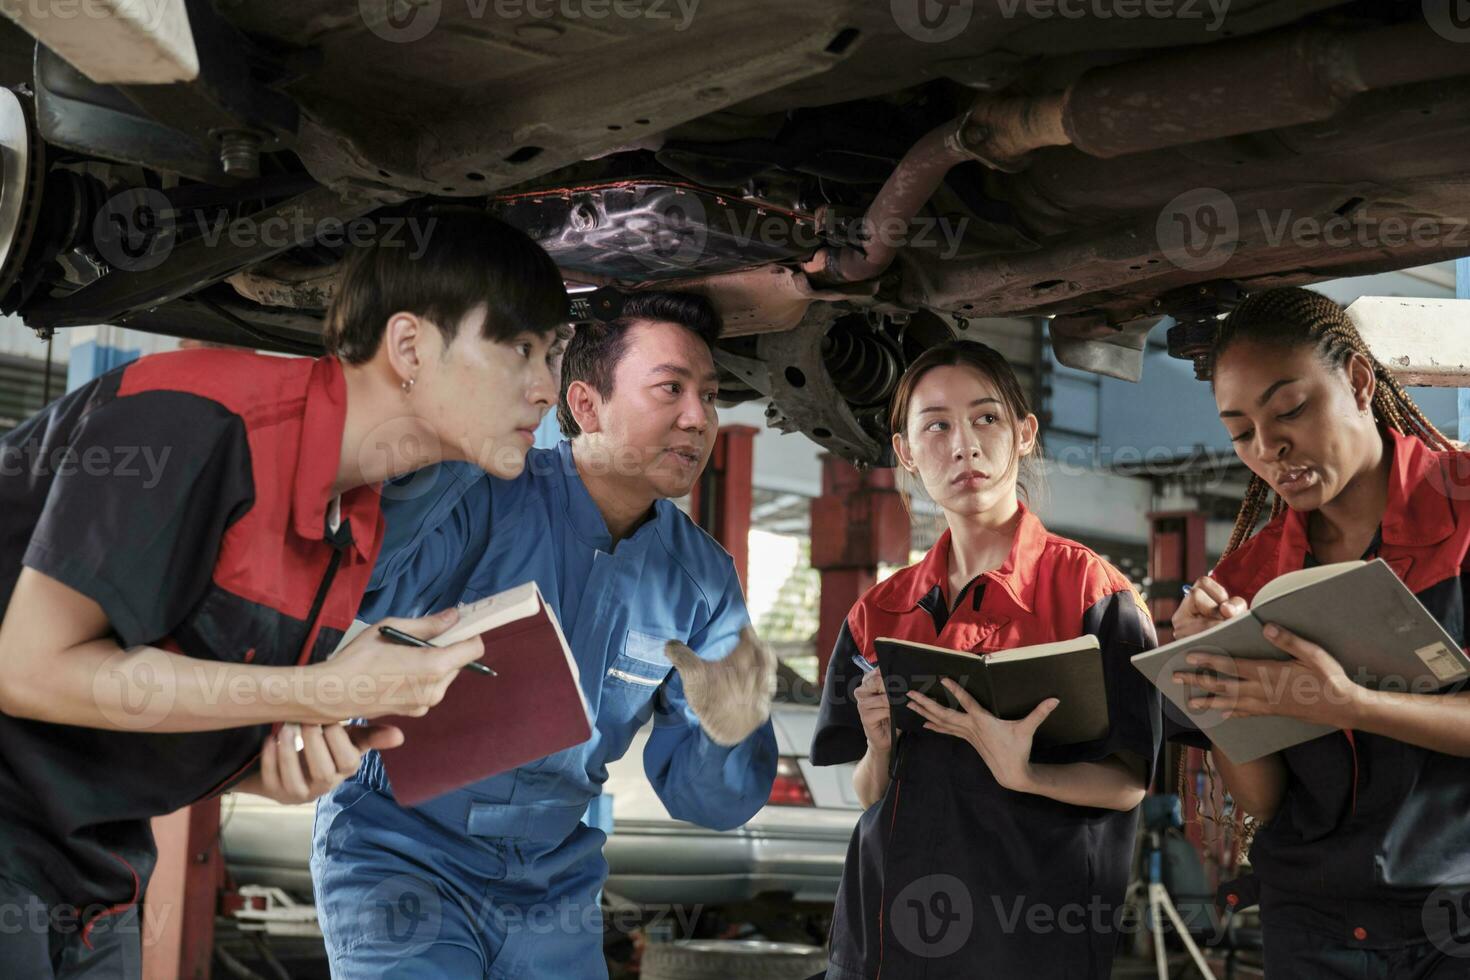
[{"x": 731, "y": 697}]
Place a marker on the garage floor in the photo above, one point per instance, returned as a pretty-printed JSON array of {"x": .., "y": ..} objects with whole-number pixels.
[{"x": 303, "y": 959}]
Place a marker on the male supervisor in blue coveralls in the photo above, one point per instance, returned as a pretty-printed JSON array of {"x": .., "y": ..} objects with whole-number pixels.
[{"x": 501, "y": 879}]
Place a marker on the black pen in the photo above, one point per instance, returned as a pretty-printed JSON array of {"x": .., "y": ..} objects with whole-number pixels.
[{"x": 398, "y": 636}]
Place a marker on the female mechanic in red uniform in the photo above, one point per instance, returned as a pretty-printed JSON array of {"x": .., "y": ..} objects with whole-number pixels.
[
  {"x": 1363, "y": 846},
  {"x": 985, "y": 856}
]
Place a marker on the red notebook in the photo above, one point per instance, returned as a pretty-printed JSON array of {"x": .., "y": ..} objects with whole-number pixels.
[{"x": 488, "y": 725}]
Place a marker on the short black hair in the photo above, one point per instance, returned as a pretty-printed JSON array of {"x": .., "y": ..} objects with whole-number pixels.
[
  {"x": 456, "y": 259},
  {"x": 598, "y": 346}
]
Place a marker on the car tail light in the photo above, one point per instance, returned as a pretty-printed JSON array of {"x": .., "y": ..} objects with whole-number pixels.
[{"x": 790, "y": 787}]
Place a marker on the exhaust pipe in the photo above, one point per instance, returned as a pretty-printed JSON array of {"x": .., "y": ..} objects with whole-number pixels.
[{"x": 1226, "y": 89}]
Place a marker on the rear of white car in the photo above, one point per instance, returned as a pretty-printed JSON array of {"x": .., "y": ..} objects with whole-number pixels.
[{"x": 793, "y": 848}]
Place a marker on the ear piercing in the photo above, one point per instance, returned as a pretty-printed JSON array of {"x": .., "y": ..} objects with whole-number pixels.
[{"x": 408, "y": 385}]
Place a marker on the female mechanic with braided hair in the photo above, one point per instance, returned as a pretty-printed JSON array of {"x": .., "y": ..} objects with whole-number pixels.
[{"x": 1362, "y": 847}]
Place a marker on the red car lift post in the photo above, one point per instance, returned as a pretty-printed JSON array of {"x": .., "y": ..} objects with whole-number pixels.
[
  {"x": 1177, "y": 558},
  {"x": 858, "y": 521},
  {"x": 179, "y": 906},
  {"x": 721, "y": 499}
]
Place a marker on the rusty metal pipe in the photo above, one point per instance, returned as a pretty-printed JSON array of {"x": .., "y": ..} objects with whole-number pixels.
[
  {"x": 1222, "y": 90},
  {"x": 1247, "y": 86},
  {"x": 913, "y": 181},
  {"x": 996, "y": 132}
]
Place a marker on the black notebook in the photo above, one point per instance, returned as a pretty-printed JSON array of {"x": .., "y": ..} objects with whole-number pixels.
[{"x": 1009, "y": 684}]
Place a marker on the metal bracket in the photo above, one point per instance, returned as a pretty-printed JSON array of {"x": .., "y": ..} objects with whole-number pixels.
[{"x": 1115, "y": 351}]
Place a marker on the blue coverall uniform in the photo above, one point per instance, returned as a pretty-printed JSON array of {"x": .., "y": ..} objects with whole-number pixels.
[{"x": 501, "y": 878}]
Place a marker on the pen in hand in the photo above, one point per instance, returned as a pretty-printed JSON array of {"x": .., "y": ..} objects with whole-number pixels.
[{"x": 398, "y": 636}]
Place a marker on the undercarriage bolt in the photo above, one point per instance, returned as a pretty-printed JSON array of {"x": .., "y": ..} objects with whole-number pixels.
[
  {"x": 239, "y": 154},
  {"x": 584, "y": 217}
]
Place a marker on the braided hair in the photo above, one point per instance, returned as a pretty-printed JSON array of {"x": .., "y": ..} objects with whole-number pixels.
[{"x": 1293, "y": 317}]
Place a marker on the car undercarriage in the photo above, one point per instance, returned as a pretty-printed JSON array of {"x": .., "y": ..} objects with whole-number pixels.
[{"x": 848, "y": 182}]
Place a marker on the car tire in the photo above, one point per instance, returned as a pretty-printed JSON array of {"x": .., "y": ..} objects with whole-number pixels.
[{"x": 712, "y": 959}]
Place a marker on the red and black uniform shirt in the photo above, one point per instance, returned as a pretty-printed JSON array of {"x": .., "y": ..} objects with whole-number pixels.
[
  {"x": 948, "y": 844},
  {"x": 188, "y": 495},
  {"x": 1370, "y": 826}
]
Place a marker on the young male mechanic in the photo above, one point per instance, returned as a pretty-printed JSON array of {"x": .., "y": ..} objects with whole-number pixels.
[
  {"x": 501, "y": 879},
  {"x": 161, "y": 623}
]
